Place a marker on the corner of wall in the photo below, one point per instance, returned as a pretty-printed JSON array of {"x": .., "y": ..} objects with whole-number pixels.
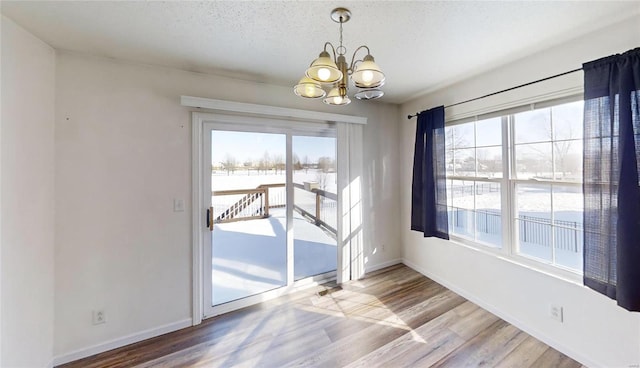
[{"x": 26, "y": 191}]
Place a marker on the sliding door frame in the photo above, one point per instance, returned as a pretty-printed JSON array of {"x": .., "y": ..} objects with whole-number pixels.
[
  {"x": 220, "y": 123},
  {"x": 281, "y": 121}
]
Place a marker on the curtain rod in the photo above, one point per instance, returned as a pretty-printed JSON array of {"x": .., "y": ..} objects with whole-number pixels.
[{"x": 504, "y": 90}]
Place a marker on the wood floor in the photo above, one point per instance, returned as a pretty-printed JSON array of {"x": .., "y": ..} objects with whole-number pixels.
[{"x": 393, "y": 318}]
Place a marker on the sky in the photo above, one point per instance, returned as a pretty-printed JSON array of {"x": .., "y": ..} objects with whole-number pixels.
[
  {"x": 245, "y": 146},
  {"x": 530, "y": 127}
]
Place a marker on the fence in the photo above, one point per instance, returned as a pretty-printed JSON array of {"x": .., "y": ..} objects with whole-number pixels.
[
  {"x": 536, "y": 230},
  {"x": 487, "y": 221},
  {"x": 567, "y": 234},
  {"x": 480, "y": 188}
]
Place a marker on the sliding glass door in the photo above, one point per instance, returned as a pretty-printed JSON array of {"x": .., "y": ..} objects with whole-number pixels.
[
  {"x": 248, "y": 202},
  {"x": 271, "y": 222},
  {"x": 315, "y": 205}
]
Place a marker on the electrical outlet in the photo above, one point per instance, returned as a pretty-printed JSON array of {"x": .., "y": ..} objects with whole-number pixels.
[
  {"x": 99, "y": 317},
  {"x": 555, "y": 312},
  {"x": 178, "y": 205}
]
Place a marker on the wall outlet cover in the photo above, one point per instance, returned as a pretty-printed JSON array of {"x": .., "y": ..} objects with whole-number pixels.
[
  {"x": 99, "y": 317},
  {"x": 555, "y": 311},
  {"x": 178, "y": 205}
]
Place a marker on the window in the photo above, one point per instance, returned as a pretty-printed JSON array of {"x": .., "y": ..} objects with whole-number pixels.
[
  {"x": 514, "y": 183},
  {"x": 474, "y": 180}
]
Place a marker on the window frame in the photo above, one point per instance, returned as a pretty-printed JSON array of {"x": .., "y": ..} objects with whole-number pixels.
[{"x": 509, "y": 249}]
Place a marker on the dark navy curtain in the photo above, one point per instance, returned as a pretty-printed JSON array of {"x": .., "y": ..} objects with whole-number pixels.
[
  {"x": 611, "y": 183},
  {"x": 429, "y": 191}
]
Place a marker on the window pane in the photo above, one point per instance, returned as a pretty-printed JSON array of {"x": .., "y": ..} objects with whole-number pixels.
[
  {"x": 449, "y": 157},
  {"x": 533, "y": 126},
  {"x": 489, "y": 132},
  {"x": 248, "y": 244},
  {"x": 448, "y": 138},
  {"x": 568, "y": 160},
  {"x": 568, "y": 225},
  {"x": 460, "y": 136},
  {"x": 569, "y": 245},
  {"x": 533, "y": 161},
  {"x": 567, "y": 120},
  {"x": 315, "y": 207},
  {"x": 462, "y": 194},
  {"x": 464, "y": 162},
  {"x": 533, "y": 220},
  {"x": 489, "y": 162},
  {"x": 488, "y": 214}
]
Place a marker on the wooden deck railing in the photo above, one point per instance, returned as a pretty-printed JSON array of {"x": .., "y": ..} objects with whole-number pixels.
[
  {"x": 255, "y": 204},
  {"x": 246, "y": 207},
  {"x": 324, "y": 202}
]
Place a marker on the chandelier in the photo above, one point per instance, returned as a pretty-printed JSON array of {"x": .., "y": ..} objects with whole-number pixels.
[{"x": 333, "y": 73}]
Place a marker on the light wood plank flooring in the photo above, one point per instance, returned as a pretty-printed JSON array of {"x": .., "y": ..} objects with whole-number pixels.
[{"x": 393, "y": 318}]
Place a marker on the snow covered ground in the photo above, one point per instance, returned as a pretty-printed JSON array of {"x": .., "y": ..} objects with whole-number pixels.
[
  {"x": 250, "y": 179},
  {"x": 249, "y": 257},
  {"x": 534, "y": 207}
]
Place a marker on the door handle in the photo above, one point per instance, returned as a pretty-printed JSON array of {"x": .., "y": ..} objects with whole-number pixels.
[{"x": 209, "y": 223}]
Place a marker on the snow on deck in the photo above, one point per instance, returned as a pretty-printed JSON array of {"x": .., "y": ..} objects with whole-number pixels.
[{"x": 249, "y": 257}]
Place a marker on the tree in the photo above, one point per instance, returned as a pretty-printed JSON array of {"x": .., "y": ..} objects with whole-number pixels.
[
  {"x": 487, "y": 163},
  {"x": 565, "y": 159},
  {"x": 326, "y": 164},
  {"x": 321, "y": 178},
  {"x": 454, "y": 140},
  {"x": 306, "y": 163},
  {"x": 229, "y": 163},
  {"x": 278, "y": 163},
  {"x": 296, "y": 162},
  {"x": 265, "y": 162}
]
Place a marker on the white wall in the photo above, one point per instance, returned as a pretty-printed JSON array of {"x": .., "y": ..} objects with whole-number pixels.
[
  {"x": 123, "y": 152},
  {"x": 27, "y": 193},
  {"x": 595, "y": 331}
]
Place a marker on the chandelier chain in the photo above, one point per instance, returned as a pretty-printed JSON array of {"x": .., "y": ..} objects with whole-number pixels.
[{"x": 341, "y": 48}]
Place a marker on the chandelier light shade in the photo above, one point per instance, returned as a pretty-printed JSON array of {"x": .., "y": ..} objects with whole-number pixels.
[
  {"x": 368, "y": 94},
  {"x": 308, "y": 88},
  {"x": 333, "y": 73},
  {"x": 335, "y": 98},
  {"x": 324, "y": 70},
  {"x": 368, "y": 74}
]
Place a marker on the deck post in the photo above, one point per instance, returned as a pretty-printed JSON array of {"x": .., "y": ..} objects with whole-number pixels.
[{"x": 317, "y": 207}]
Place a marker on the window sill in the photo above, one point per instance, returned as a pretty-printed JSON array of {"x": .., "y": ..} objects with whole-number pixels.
[{"x": 522, "y": 261}]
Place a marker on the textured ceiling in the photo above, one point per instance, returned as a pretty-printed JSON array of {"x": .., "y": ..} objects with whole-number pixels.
[{"x": 420, "y": 45}]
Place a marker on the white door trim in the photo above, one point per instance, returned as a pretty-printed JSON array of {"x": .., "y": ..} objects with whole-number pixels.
[
  {"x": 199, "y": 209},
  {"x": 265, "y": 110},
  {"x": 196, "y": 210}
]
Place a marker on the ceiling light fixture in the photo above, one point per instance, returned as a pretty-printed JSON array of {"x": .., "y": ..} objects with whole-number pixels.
[{"x": 333, "y": 74}]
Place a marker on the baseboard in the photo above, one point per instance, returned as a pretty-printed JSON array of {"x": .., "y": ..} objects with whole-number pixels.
[
  {"x": 382, "y": 265},
  {"x": 506, "y": 316},
  {"x": 121, "y": 341}
]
